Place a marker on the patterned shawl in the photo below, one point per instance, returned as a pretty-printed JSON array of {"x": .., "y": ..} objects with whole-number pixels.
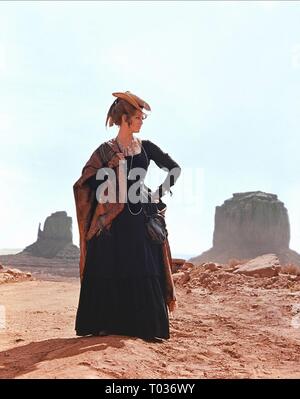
[{"x": 94, "y": 216}]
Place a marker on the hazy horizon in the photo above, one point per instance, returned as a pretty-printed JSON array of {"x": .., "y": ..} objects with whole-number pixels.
[{"x": 13, "y": 251}]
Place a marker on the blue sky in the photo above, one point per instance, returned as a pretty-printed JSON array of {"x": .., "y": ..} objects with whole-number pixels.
[{"x": 222, "y": 79}]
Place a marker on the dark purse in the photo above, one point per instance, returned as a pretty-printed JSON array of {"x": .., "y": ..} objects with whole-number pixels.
[{"x": 156, "y": 229}]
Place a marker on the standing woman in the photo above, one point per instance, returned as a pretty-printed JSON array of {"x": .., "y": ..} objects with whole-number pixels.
[{"x": 126, "y": 280}]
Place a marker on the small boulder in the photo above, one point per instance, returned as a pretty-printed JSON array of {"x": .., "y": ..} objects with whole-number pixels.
[
  {"x": 212, "y": 267},
  {"x": 181, "y": 277},
  {"x": 187, "y": 266},
  {"x": 262, "y": 266},
  {"x": 177, "y": 264}
]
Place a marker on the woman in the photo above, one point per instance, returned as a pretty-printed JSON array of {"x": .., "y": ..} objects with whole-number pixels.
[{"x": 126, "y": 281}]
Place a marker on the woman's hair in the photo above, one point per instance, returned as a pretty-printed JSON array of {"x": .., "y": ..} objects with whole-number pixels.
[{"x": 117, "y": 109}]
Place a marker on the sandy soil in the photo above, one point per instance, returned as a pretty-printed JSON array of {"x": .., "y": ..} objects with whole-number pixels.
[{"x": 225, "y": 327}]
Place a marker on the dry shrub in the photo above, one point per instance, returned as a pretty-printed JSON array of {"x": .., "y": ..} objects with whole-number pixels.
[{"x": 290, "y": 268}]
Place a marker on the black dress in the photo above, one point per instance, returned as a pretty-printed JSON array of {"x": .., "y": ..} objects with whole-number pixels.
[{"x": 123, "y": 286}]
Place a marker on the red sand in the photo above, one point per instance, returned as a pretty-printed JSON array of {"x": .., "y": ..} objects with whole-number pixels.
[{"x": 226, "y": 326}]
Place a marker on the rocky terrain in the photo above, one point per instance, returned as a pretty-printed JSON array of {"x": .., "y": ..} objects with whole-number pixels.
[
  {"x": 10, "y": 275},
  {"x": 238, "y": 313},
  {"x": 235, "y": 320},
  {"x": 41, "y": 267}
]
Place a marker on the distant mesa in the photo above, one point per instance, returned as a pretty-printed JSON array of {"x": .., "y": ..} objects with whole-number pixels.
[
  {"x": 55, "y": 240},
  {"x": 53, "y": 253},
  {"x": 247, "y": 225}
]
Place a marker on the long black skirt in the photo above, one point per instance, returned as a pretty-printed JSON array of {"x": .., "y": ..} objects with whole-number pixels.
[{"x": 123, "y": 286}]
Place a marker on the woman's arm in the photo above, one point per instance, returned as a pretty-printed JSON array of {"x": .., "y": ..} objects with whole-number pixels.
[{"x": 163, "y": 160}]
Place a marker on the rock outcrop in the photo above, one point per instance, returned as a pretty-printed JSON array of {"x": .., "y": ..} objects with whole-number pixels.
[
  {"x": 262, "y": 266},
  {"x": 177, "y": 264},
  {"x": 248, "y": 225},
  {"x": 10, "y": 275},
  {"x": 56, "y": 239},
  {"x": 252, "y": 223}
]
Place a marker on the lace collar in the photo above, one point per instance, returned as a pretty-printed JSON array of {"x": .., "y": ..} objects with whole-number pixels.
[{"x": 133, "y": 149}]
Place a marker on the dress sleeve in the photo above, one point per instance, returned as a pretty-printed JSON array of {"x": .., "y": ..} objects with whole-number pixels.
[{"x": 164, "y": 160}]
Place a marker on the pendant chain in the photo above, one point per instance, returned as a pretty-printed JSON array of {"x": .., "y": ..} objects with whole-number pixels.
[{"x": 142, "y": 150}]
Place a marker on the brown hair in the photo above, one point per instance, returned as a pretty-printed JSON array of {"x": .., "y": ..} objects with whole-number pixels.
[{"x": 117, "y": 109}]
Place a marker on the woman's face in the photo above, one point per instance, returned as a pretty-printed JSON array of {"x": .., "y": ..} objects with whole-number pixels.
[{"x": 137, "y": 121}]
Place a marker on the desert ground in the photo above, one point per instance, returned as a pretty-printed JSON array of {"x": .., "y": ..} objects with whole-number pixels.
[{"x": 225, "y": 326}]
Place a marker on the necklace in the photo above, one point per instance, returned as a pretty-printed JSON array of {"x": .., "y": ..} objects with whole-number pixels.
[
  {"x": 131, "y": 149},
  {"x": 121, "y": 147},
  {"x": 142, "y": 188}
]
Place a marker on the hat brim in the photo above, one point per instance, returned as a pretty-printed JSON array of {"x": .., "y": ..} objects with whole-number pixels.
[{"x": 134, "y": 100}]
